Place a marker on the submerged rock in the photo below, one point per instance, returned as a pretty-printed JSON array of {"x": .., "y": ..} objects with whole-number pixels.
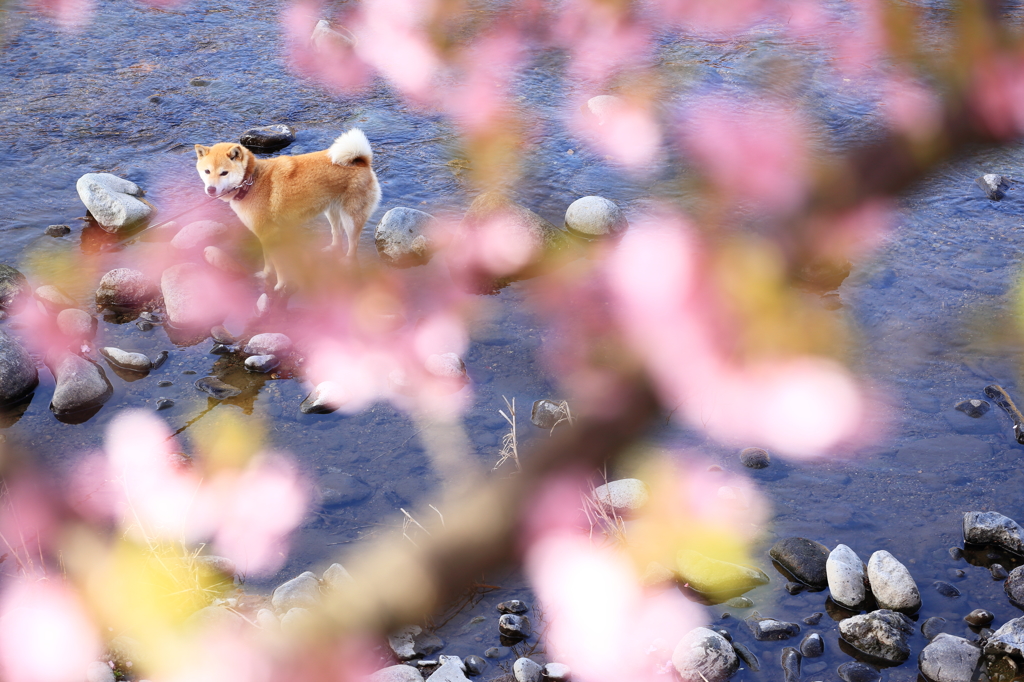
[
  {"x": 594, "y": 217},
  {"x": 136, "y": 362},
  {"x": 804, "y": 559},
  {"x": 217, "y": 388},
  {"x": 53, "y": 298},
  {"x": 891, "y": 583},
  {"x": 114, "y": 202},
  {"x": 267, "y": 139},
  {"x": 623, "y": 495},
  {"x": 932, "y": 626},
  {"x": 882, "y": 634},
  {"x": 973, "y": 408},
  {"x": 125, "y": 289},
  {"x": 57, "y": 231},
  {"x": 713, "y": 577},
  {"x": 993, "y": 185},
  {"x": 81, "y": 385},
  {"x": 18, "y": 374},
  {"x": 949, "y": 659},
  {"x": 403, "y": 237},
  {"x": 324, "y": 399},
  {"x": 755, "y": 458},
  {"x": 547, "y": 413},
  {"x": 791, "y": 664},
  {"x": 855, "y": 671},
  {"x": 845, "y": 572},
  {"x": 984, "y": 528},
  {"x": 703, "y": 655}
]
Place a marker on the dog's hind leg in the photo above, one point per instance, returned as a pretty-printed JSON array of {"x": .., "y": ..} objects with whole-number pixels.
[{"x": 341, "y": 220}]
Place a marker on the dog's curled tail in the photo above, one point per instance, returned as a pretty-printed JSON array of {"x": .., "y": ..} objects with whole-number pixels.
[{"x": 351, "y": 149}]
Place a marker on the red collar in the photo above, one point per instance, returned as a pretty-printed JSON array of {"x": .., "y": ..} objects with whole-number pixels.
[{"x": 244, "y": 188}]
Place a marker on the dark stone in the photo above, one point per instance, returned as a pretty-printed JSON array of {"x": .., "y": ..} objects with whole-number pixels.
[
  {"x": 739, "y": 603},
  {"x": 932, "y": 626},
  {"x": 514, "y": 627},
  {"x": 812, "y": 645},
  {"x": 814, "y": 618},
  {"x": 791, "y": 664},
  {"x": 221, "y": 335},
  {"x": 221, "y": 349},
  {"x": 998, "y": 572},
  {"x": 945, "y": 589},
  {"x": 426, "y": 643},
  {"x": 164, "y": 383},
  {"x": 1014, "y": 587},
  {"x": 755, "y": 458},
  {"x": 14, "y": 289},
  {"x": 980, "y": 618},
  {"x": 199, "y": 82},
  {"x": 18, "y": 374},
  {"x": 959, "y": 573},
  {"x": 993, "y": 185},
  {"x": 143, "y": 325},
  {"x": 266, "y": 139},
  {"x": 58, "y": 230},
  {"x": 189, "y": 371},
  {"x": 164, "y": 403},
  {"x": 973, "y": 408},
  {"x": 547, "y": 413},
  {"x": 747, "y": 656},
  {"x": 804, "y": 559},
  {"x": 769, "y": 629},
  {"x": 161, "y": 358},
  {"x": 216, "y": 388},
  {"x": 474, "y": 665},
  {"x": 795, "y": 588},
  {"x": 858, "y": 672},
  {"x": 513, "y": 606},
  {"x": 956, "y": 553},
  {"x": 497, "y": 652},
  {"x": 339, "y": 490},
  {"x": 726, "y": 634}
]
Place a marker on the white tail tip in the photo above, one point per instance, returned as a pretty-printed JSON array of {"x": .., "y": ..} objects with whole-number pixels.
[{"x": 349, "y": 147}]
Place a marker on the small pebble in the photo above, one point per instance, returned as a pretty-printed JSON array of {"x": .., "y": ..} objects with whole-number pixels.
[
  {"x": 814, "y": 618},
  {"x": 164, "y": 383},
  {"x": 199, "y": 82},
  {"x": 959, "y": 573},
  {"x": 474, "y": 665},
  {"x": 755, "y": 458},
  {"x": 189, "y": 371},
  {"x": 726, "y": 634},
  {"x": 956, "y": 553},
  {"x": 945, "y": 589},
  {"x": 795, "y": 588},
  {"x": 161, "y": 358},
  {"x": 220, "y": 334},
  {"x": 973, "y": 408},
  {"x": 58, "y": 230},
  {"x": 858, "y": 672},
  {"x": 513, "y": 606},
  {"x": 998, "y": 572},
  {"x": 739, "y": 603},
  {"x": 812, "y": 645},
  {"x": 932, "y": 626},
  {"x": 143, "y": 325},
  {"x": 497, "y": 652},
  {"x": 980, "y": 618},
  {"x": 164, "y": 403},
  {"x": 220, "y": 349}
]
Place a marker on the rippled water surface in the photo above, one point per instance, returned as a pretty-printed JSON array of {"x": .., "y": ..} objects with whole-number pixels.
[{"x": 930, "y": 304}]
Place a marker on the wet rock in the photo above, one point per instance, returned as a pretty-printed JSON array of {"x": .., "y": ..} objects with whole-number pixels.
[
  {"x": 769, "y": 629},
  {"x": 998, "y": 572},
  {"x": 945, "y": 589},
  {"x": 474, "y": 665},
  {"x": 547, "y": 413},
  {"x": 302, "y": 591},
  {"x": 339, "y": 490},
  {"x": 219, "y": 258},
  {"x": 755, "y": 458},
  {"x": 14, "y": 289},
  {"x": 623, "y": 495},
  {"x": 949, "y": 659},
  {"x": 556, "y": 672},
  {"x": 452, "y": 669},
  {"x": 514, "y": 626},
  {"x": 426, "y": 643},
  {"x": 747, "y": 656},
  {"x": 324, "y": 399},
  {"x": 814, "y": 618},
  {"x": 164, "y": 404},
  {"x": 261, "y": 363},
  {"x": 703, "y": 655},
  {"x": 211, "y": 564},
  {"x": 135, "y": 362},
  {"x": 98, "y": 671},
  {"x": 932, "y": 626},
  {"x": 1014, "y": 587},
  {"x": 324, "y": 37},
  {"x": 268, "y": 344},
  {"x": 973, "y": 408},
  {"x": 711, "y": 576},
  {"x": 513, "y": 606},
  {"x": 125, "y": 289},
  {"x": 882, "y": 634},
  {"x": 403, "y": 642},
  {"x": 812, "y": 645},
  {"x": 725, "y": 633},
  {"x": 160, "y": 359},
  {"x": 526, "y": 670},
  {"x": 845, "y": 573},
  {"x": 53, "y": 298},
  {"x": 795, "y": 588},
  {"x": 1001, "y": 669},
  {"x": 891, "y": 583},
  {"x": 113, "y": 202},
  {"x": 1008, "y": 639},
  {"x": 739, "y": 603},
  {"x": 403, "y": 237},
  {"x": 496, "y": 652},
  {"x": 58, "y": 230},
  {"x": 956, "y": 553},
  {"x": 18, "y": 374},
  {"x": 217, "y": 388},
  {"x": 983, "y": 528},
  {"x": 791, "y": 664},
  {"x": 267, "y": 139},
  {"x": 199, "y": 234},
  {"x": 187, "y": 297},
  {"x": 858, "y": 672},
  {"x": 220, "y": 334},
  {"x": 396, "y": 673},
  {"x": 81, "y": 385},
  {"x": 980, "y": 618},
  {"x": 804, "y": 559},
  {"x": 594, "y": 217},
  {"x": 76, "y": 325},
  {"x": 993, "y": 185}
]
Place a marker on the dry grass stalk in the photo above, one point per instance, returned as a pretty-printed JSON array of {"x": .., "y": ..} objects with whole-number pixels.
[
  {"x": 566, "y": 417},
  {"x": 510, "y": 442},
  {"x": 603, "y": 516}
]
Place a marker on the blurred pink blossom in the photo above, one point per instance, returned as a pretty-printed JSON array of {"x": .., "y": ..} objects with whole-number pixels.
[
  {"x": 623, "y": 129},
  {"x": 911, "y": 108},
  {"x": 69, "y": 14},
  {"x": 45, "y": 633},
  {"x": 333, "y": 62},
  {"x": 225, "y": 654},
  {"x": 393, "y": 38},
  {"x": 725, "y": 16},
  {"x": 480, "y": 101},
  {"x": 997, "y": 95},
  {"x": 602, "y": 37}
]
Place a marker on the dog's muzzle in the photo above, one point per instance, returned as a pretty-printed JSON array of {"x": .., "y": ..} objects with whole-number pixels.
[{"x": 212, "y": 191}]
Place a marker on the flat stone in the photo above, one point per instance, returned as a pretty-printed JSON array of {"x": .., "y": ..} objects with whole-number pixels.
[
  {"x": 403, "y": 642},
  {"x": 403, "y": 237},
  {"x": 135, "y": 362},
  {"x": 302, "y": 591},
  {"x": 623, "y": 495},
  {"x": 262, "y": 363},
  {"x": 81, "y": 385},
  {"x": 703, "y": 655},
  {"x": 113, "y": 202},
  {"x": 712, "y": 577},
  {"x": 268, "y": 344},
  {"x": 451, "y": 670},
  {"x": 18, "y": 374},
  {"x": 804, "y": 559},
  {"x": 217, "y": 388},
  {"x": 891, "y": 583},
  {"x": 58, "y": 230},
  {"x": 267, "y": 139},
  {"x": 992, "y": 528},
  {"x": 125, "y": 289},
  {"x": 882, "y": 634},
  {"x": 53, "y": 298},
  {"x": 949, "y": 659},
  {"x": 594, "y": 217},
  {"x": 769, "y": 629}
]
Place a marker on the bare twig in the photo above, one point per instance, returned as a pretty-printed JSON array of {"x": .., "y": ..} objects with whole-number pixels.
[{"x": 510, "y": 442}]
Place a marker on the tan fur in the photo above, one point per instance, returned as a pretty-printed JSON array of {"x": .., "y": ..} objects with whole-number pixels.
[{"x": 287, "y": 193}]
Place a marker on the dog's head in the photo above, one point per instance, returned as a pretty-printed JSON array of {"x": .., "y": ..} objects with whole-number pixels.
[{"x": 222, "y": 167}]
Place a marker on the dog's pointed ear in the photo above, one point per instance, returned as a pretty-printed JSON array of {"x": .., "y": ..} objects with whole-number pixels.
[
  {"x": 235, "y": 153},
  {"x": 201, "y": 151}
]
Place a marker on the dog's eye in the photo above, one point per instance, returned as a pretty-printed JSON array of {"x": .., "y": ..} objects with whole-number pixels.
[
  {"x": 207, "y": 172},
  {"x": 223, "y": 172}
]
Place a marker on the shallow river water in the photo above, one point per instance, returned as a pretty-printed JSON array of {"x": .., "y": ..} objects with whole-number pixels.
[{"x": 114, "y": 95}]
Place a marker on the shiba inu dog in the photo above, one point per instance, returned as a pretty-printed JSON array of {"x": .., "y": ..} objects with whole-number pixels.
[{"x": 273, "y": 197}]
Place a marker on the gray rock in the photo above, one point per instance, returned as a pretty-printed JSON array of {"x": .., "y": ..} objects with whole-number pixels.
[
  {"x": 53, "y": 298},
  {"x": 324, "y": 399},
  {"x": 994, "y": 186},
  {"x": 1008, "y": 639},
  {"x": 216, "y": 565},
  {"x": 98, "y": 671},
  {"x": 556, "y": 672},
  {"x": 882, "y": 634},
  {"x": 218, "y": 389},
  {"x": 336, "y": 578},
  {"x": 113, "y": 202},
  {"x": 791, "y": 664},
  {"x": 812, "y": 645},
  {"x": 220, "y": 334},
  {"x": 747, "y": 656},
  {"x": 703, "y": 655},
  {"x": 339, "y": 490},
  {"x": 77, "y": 325},
  {"x": 949, "y": 659},
  {"x": 302, "y": 591},
  {"x": 396, "y": 673},
  {"x": 18, "y": 374},
  {"x": 891, "y": 583},
  {"x": 447, "y": 366},
  {"x": 973, "y": 408},
  {"x": 403, "y": 237},
  {"x": 261, "y": 363},
  {"x": 14, "y": 289},
  {"x": 497, "y": 652},
  {"x": 81, "y": 385},
  {"x": 932, "y": 626},
  {"x": 427, "y": 643},
  {"x": 945, "y": 589},
  {"x": 623, "y": 495},
  {"x": 187, "y": 298},
  {"x": 200, "y": 234},
  {"x": 220, "y": 259},
  {"x": 526, "y": 670},
  {"x": 858, "y": 672},
  {"x": 513, "y": 606},
  {"x": 804, "y": 559},
  {"x": 998, "y": 572},
  {"x": 403, "y": 642},
  {"x": 57, "y": 230},
  {"x": 593, "y": 217},
  {"x": 125, "y": 289},
  {"x": 980, "y": 618},
  {"x": 323, "y": 36},
  {"x": 1014, "y": 587},
  {"x": 267, "y": 139},
  {"x": 514, "y": 626},
  {"x": 984, "y": 528},
  {"x": 268, "y": 344},
  {"x": 135, "y": 362},
  {"x": 451, "y": 670},
  {"x": 769, "y": 629},
  {"x": 755, "y": 458},
  {"x": 547, "y": 413},
  {"x": 474, "y": 665},
  {"x": 814, "y": 618},
  {"x": 164, "y": 403}
]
